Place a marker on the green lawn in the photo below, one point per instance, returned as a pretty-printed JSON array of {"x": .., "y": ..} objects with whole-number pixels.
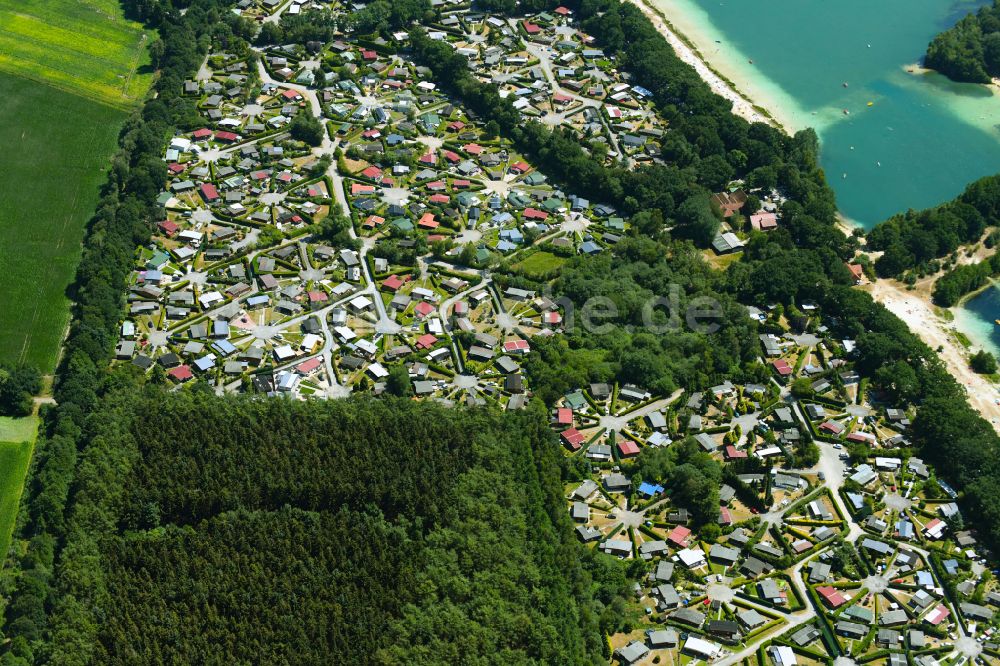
[
  {"x": 539, "y": 264},
  {"x": 14, "y": 459},
  {"x": 84, "y": 47},
  {"x": 56, "y": 147}
]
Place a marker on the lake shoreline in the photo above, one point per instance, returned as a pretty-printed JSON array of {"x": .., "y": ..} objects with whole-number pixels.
[{"x": 752, "y": 109}]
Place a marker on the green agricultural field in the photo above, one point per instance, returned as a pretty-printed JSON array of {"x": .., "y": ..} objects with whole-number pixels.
[
  {"x": 56, "y": 147},
  {"x": 14, "y": 460},
  {"x": 85, "y": 47}
]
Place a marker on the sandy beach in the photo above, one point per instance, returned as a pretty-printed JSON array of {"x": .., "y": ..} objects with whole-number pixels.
[
  {"x": 742, "y": 105},
  {"x": 919, "y": 315}
]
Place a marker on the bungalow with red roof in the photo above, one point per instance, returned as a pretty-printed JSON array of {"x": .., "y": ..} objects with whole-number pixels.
[
  {"x": 423, "y": 309},
  {"x": 392, "y": 283},
  {"x": 181, "y": 373},
  {"x": 764, "y": 221},
  {"x": 226, "y": 137},
  {"x": 373, "y": 221},
  {"x": 535, "y": 214},
  {"x": 309, "y": 366},
  {"x": 372, "y": 172},
  {"x": 473, "y": 149},
  {"x": 426, "y": 341},
  {"x": 531, "y": 28},
  {"x": 203, "y": 133},
  {"x": 831, "y": 597},
  {"x": 516, "y": 347},
  {"x": 208, "y": 192},
  {"x": 290, "y": 94},
  {"x": 732, "y": 453},
  {"x": 572, "y": 438},
  {"x": 781, "y": 367},
  {"x": 168, "y": 227},
  {"x": 679, "y": 536},
  {"x": 627, "y": 449},
  {"x": 519, "y": 168},
  {"x": 439, "y": 198},
  {"x": 427, "y": 221},
  {"x": 361, "y": 188},
  {"x": 564, "y": 416}
]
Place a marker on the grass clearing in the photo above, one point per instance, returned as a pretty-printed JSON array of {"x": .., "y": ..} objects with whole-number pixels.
[
  {"x": 539, "y": 264},
  {"x": 84, "y": 47},
  {"x": 14, "y": 460},
  {"x": 56, "y": 146}
]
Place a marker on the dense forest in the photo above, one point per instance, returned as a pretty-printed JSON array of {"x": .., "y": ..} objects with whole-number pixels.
[
  {"x": 970, "y": 50},
  {"x": 226, "y": 530},
  {"x": 654, "y": 348},
  {"x": 18, "y": 384},
  {"x": 920, "y": 239},
  {"x": 961, "y": 280}
]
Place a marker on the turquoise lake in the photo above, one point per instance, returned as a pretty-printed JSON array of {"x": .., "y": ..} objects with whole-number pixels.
[
  {"x": 922, "y": 139},
  {"x": 977, "y": 318}
]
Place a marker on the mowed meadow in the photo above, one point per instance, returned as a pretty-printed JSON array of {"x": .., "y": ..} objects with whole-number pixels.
[
  {"x": 69, "y": 73},
  {"x": 85, "y": 47}
]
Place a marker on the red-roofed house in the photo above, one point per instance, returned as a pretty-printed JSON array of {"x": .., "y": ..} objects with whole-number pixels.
[
  {"x": 291, "y": 94},
  {"x": 423, "y": 309},
  {"x": 725, "y": 518},
  {"x": 372, "y": 172},
  {"x": 679, "y": 536},
  {"x": 369, "y": 55},
  {"x": 226, "y": 137},
  {"x": 451, "y": 156},
  {"x": 208, "y": 192},
  {"x": 426, "y": 341},
  {"x": 427, "y": 221},
  {"x": 732, "y": 453},
  {"x": 428, "y": 158},
  {"x": 461, "y": 184},
  {"x": 473, "y": 148},
  {"x": 831, "y": 427},
  {"x": 311, "y": 365},
  {"x": 392, "y": 283},
  {"x": 937, "y": 615},
  {"x": 202, "y": 133},
  {"x": 318, "y": 296},
  {"x": 535, "y": 214},
  {"x": 764, "y": 221},
  {"x": 572, "y": 438},
  {"x": 564, "y": 416},
  {"x": 831, "y": 597},
  {"x": 374, "y": 221},
  {"x": 361, "y": 188},
  {"x": 181, "y": 373},
  {"x": 628, "y": 448},
  {"x": 168, "y": 227},
  {"x": 516, "y": 347},
  {"x": 175, "y": 168},
  {"x": 531, "y": 28},
  {"x": 439, "y": 198},
  {"x": 561, "y": 11},
  {"x": 519, "y": 167},
  {"x": 781, "y": 367},
  {"x": 857, "y": 271}
]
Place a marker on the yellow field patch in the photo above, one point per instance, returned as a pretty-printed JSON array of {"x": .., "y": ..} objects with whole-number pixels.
[{"x": 86, "y": 48}]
